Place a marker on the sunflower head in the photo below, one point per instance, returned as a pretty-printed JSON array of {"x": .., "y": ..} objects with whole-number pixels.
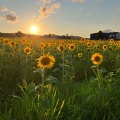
[
  {"x": 79, "y": 55},
  {"x": 88, "y": 49},
  {"x": 97, "y": 47},
  {"x": 88, "y": 44},
  {"x": 48, "y": 44},
  {"x": 110, "y": 48},
  {"x": 72, "y": 46},
  {"x": 60, "y": 48},
  {"x": 12, "y": 43},
  {"x": 83, "y": 39},
  {"x": 111, "y": 40},
  {"x": 46, "y": 61},
  {"x": 53, "y": 43},
  {"x": 23, "y": 40},
  {"x": 42, "y": 45},
  {"x": 97, "y": 58},
  {"x": 104, "y": 47},
  {"x": 27, "y": 50},
  {"x": 118, "y": 45},
  {"x": 6, "y": 41}
]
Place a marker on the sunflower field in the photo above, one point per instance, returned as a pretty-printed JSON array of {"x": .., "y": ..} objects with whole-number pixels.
[{"x": 48, "y": 79}]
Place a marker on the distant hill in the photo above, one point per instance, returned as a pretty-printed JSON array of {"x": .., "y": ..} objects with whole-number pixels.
[
  {"x": 8, "y": 34},
  {"x": 20, "y": 34}
]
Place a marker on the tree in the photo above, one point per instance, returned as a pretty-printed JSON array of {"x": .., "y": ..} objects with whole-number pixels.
[
  {"x": 100, "y": 35},
  {"x": 20, "y": 34}
]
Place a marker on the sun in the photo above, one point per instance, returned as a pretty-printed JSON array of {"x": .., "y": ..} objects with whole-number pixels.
[{"x": 34, "y": 29}]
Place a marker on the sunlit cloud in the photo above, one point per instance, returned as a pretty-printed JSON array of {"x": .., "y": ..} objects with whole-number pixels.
[
  {"x": 96, "y": 0},
  {"x": 78, "y": 1},
  {"x": 34, "y": 19},
  {"x": 4, "y": 8},
  {"x": 46, "y": 1},
  {"x": 107, "y": 30},
  {"x": 12, "y": 18},
  {"x": 88, "y": 15},
  {"x": 81, "y": 9},
  {"x": 46, "y": 11}
]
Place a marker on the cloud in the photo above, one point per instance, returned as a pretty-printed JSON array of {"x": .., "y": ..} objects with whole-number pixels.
[
  {"x": 4, "y": 9},
  {"x": 107, "y": 30},
  {"x": 96, "y": 0},
  {"x": 12, "y": 18},
  {"x": 88, "y": 15},
  {"x": 78, "y": 1},
  {"x": 46, "y": 1},
  {"x": 81, "y": 9},
  {"x": 46, "y": 11},
  {"x": 34, "y": 19}
]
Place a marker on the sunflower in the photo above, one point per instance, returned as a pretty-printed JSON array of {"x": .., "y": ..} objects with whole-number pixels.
[
  {"x": 53, "y": 43},
  {"x": 1, "y": 39},
  {"x": 71, "y": 46},
  {"x": 46, "y": 61},
  {"x": 23, "y": 40},
  {"x": 118, "y": 45},
  {"x": 104, "y": 47},
  {"x": 88, "y": 49},
  {"x": 88, "y": 44},
  {"x": 112, "y": 40},
  {"x": 6, "y": 41},
  {"x": 110, "y": 48},
  {"x": 79, "y": 55},
  {"x": 83, "y": 39},
  {"x": 42, "y": 45},
  {"x": 60, "y": 48},
  {"x": 48, "y": 44},
  {"x": 97, "y": 58},
  {"x": 12, "y": 43},
  {"x": 27, "y": 50},
  {"x": 97, "y": 47}
]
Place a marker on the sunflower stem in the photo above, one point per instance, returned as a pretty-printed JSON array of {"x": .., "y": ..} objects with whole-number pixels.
[
  {"x": 0, "y": 69},
  {"x": 63, "y": 56},
  {"x": 99, "y": 86},
  {"x": 43, "y": 51},
  {"x": 26, "y": 68},
  {"x": 42, "y": 80}
]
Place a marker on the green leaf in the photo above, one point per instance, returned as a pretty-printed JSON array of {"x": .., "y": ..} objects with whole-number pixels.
[
  {"x": 51, "y": 79},
  {"x": 89, "y": 97},
  {"x": 93, "y": 66},
  {"x": 44, "y": 103},
  {"x": 39, "y": 70},
  {"x": 56, "y": 69},
  {"x": 93, "y": 79},
  {"x": 31, "y": 88},
  {"x": 103, "y": 70},
  {"x": 61, "y": 64},
  {"x": 103, "y": 92}
]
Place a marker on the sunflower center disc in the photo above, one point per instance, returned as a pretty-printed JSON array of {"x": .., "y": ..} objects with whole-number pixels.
[
  {"x": 45, "y": 61},
  {"x": 97, "y": 58}
]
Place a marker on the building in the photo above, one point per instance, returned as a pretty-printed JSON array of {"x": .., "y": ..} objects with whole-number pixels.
[
  {"x": 118, "y": 36},
  {"x": 114, "y": 35}
]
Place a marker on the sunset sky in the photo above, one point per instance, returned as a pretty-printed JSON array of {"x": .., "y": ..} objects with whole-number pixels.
[{"x": 75, "y": 17}]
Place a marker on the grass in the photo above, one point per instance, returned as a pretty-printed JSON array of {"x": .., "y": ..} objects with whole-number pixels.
[{"x": 66, "y": 102}]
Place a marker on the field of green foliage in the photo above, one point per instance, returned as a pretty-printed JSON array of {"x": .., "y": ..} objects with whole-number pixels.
[{"x": 59, "y": 79}]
